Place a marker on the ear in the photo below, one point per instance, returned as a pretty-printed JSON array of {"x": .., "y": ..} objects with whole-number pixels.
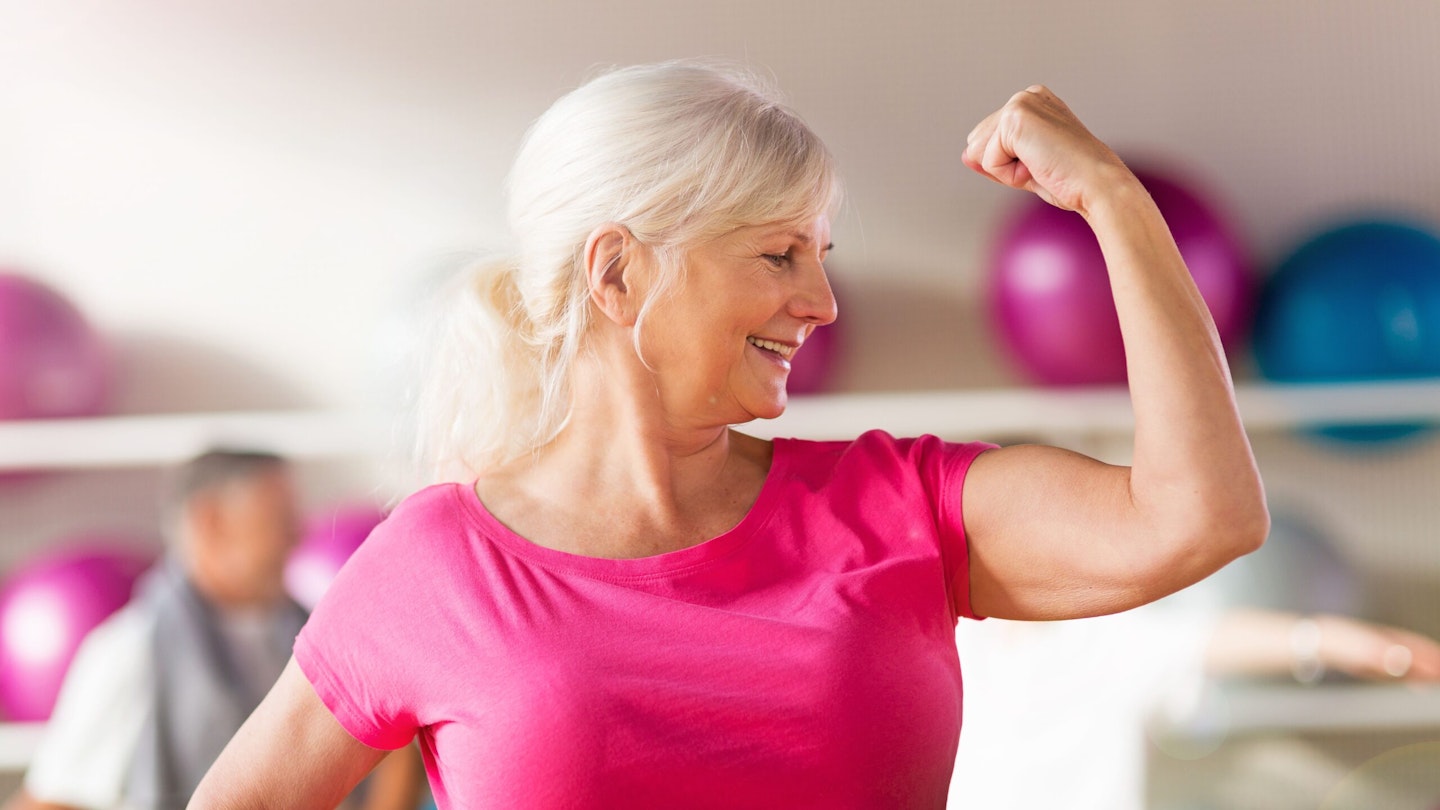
[{"x": 613, "y": 257}]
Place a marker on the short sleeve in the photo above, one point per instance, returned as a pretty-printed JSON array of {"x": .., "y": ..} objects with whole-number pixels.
[
  {"x": 89, "y": 743},
  {"x": 360, "y": 650},
  {"x": 942, "y": 467}
]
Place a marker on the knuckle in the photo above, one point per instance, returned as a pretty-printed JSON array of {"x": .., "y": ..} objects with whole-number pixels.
[{"x": 1034, "y": 98}]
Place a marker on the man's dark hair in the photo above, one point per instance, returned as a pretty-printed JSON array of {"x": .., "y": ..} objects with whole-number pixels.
[{"x": 212, "y": 469}]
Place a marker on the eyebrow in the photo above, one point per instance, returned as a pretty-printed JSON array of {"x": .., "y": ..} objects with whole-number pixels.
[{"x": 805, "y": 239}]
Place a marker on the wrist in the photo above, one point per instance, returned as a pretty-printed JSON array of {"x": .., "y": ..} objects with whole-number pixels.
[
  {"x": 1305, "y": 661},
  {"x": 1114, "y": 191}
]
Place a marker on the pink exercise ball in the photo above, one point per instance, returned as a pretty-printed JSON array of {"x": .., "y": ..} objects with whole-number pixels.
[
  {"x": 1050, "y": 298},
  {"x": 52, "y": 363},
  {"x": 814, "y": 367},
  {"x": 47, "y": 606},
  {"x": 328, "y": 540}
]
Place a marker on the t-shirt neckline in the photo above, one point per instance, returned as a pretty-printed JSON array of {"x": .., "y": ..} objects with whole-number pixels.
[{"x": 667, "y": 564}]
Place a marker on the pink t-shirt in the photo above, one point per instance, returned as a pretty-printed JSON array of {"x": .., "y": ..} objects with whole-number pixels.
[{"x": 805, "y": 658}]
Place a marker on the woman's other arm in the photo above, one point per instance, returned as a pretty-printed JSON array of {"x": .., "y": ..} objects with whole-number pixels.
[
  {"x": 290, "y": 753},
  {"x": 1263, "y": 642}
]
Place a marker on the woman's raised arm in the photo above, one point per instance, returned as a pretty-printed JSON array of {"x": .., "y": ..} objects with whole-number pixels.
[
  {"x": 291, "y": 753},
  {"x": 1054, "y": 534}
]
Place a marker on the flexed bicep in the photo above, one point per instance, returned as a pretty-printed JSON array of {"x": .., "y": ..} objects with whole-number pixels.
[{"x": 1054, "y": 534}]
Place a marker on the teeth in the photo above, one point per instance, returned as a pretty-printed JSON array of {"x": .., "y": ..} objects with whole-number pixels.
[{"x": 779, "y": 348}]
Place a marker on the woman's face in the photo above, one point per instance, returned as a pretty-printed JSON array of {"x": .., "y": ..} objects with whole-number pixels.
[{"x": 721, "y": 344}]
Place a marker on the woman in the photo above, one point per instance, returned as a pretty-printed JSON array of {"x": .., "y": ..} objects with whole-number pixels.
[{"x": 628, "y": 603}]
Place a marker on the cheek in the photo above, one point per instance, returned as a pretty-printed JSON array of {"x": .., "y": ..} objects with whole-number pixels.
[{"x": 683, "y": 340}]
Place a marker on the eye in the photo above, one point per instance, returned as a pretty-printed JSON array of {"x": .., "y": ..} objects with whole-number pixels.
[{"x": 777, "y": 259}]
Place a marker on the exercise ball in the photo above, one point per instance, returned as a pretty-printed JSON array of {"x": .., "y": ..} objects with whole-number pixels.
[
  {"x": 52, "y": 363},
  {"x": 1357, "y": 302},
  {"x": 47, "y": 605},
  {"x": 327, "y": 541},
  {"x": 813, "y": 369},
  {"x": 1049, "y": 290}
]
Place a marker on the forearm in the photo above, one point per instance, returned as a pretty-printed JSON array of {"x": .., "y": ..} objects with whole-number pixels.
[
  {"x": 1251, "y": 642},
  {"x": 1261, "y": 642},
  {"x": 1193, "y": 471}
]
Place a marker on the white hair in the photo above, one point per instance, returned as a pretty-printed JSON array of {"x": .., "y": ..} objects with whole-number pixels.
[{"x": 678, "y": 153}]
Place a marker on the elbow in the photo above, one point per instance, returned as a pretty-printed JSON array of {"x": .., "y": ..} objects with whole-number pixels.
[
  {"x": 1213, "y": 531},
  {"x": 1241, "y": 536},
  {"x": 1237, "y": 528},
  {"x": 1249, "y": 521},
  {"x": 1259, "y": 530},
  {"x": 1200, "y": 538}
]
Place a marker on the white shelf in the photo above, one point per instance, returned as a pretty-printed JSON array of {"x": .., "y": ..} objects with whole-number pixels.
[
  {"x": 133, "y": 441},
  {"x": 1334, "y": 708},
  {"x": 140, "y": 441},
  {"x": 1236, "y": 709},
  {"x": 1089, "y": 411}
]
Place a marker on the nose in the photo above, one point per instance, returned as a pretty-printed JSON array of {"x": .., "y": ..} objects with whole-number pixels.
[{"x": 814, "y": 300}]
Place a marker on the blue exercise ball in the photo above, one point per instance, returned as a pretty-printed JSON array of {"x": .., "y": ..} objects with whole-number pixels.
[{"x": 1357, "y": 302}]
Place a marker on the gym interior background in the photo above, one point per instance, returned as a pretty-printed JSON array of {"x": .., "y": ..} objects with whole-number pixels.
[{"x": 246, "y": 198}]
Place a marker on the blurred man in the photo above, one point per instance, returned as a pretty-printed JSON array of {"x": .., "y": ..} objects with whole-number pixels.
[{"x": 157, "y": 691}]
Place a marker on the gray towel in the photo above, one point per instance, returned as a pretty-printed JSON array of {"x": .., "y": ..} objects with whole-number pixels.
[{"x": 200, "y": 696}]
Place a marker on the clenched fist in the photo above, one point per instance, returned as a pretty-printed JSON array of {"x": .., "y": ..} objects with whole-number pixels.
[{"x": 1036, "y": 143}]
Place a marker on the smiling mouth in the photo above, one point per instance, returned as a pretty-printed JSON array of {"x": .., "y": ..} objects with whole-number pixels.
[{"x": 771, "y": 346}]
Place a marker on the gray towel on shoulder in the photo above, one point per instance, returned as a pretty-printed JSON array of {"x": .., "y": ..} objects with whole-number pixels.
[{"x": 200, "y": 695}]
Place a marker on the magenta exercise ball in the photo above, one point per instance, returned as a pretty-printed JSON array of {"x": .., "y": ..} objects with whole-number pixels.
[
  {"x": 814, "y": 367},
  {"x": 1049, "y": 291},
  {"x": 329, "y": 538},
  {"x": 47, "y": 605},
  {"x": 52, "y": 363}
]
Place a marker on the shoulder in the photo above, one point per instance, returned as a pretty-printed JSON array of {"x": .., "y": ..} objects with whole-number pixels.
[
  {"x": 122, "y": 638},
  {"x": 436, "y": 503},
  {"x": 434, "y": 511},
  {"x": 421, "y": 536},
  {"x": 113, "y": 662},
  {"x": 426, "y": 536}
]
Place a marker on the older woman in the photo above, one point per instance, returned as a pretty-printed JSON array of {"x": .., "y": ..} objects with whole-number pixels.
[{"x": 624, "y": 601}]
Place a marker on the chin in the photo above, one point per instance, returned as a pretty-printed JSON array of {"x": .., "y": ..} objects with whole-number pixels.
[{"x": 769, "y": 409}]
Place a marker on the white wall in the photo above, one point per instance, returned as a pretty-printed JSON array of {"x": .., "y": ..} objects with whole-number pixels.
[{"x": 258, "y": 180}]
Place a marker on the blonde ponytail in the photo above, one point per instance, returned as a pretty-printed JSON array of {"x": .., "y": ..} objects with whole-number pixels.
[{"x": 477, "y": 370}]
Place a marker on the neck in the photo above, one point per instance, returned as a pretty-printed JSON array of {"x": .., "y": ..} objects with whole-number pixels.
[
  {"x": 652, "y": 481},
  {"x": 620, "y": 443}
]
